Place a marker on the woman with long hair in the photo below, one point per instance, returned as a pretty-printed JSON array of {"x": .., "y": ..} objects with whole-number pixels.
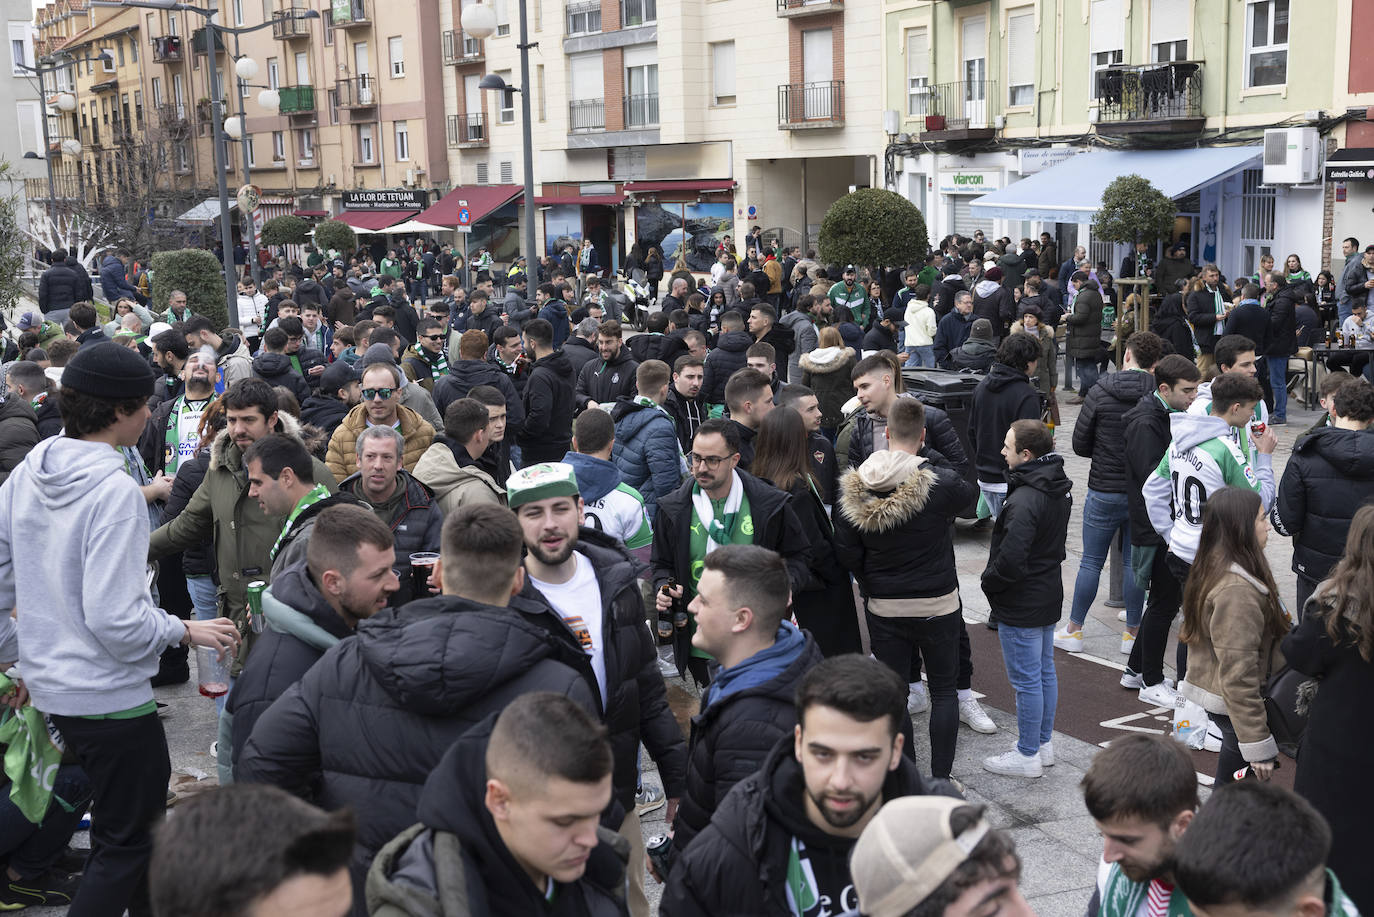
[
  {"x": 879, "y": 301},
  {"x": 825, "y": 371},
  {"x": 825, "y": 605},
  {"x": 1334, "y": 643},
  {"x": 1233, "y": 621},
  {"x": 653, "y": 271},
  {"x": 1324, "y": 292}
]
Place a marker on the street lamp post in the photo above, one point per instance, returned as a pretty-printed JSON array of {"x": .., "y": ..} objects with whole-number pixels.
[
  {"x": 479, "y": 21},
  {"x": 66, "y": 102}
]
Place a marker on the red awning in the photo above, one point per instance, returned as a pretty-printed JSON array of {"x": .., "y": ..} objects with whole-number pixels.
[
  {"x": 374, "y": 220},
  {"x": 481, "y": 201},
  {"x": 313, "y": 214},
  {"x": 604, "y": 200},
  {"x": 691, "y": 184}
]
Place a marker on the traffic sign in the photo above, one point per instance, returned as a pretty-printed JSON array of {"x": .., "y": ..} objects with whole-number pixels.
[{"x": 464, "y": 217}]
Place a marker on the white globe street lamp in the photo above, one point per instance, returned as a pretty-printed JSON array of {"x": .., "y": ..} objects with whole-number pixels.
[
  {"x": 71, "y": 147},
  {"x": 270, "y": 99},
  {"x": 233, "y": 127},
  {"x": 479, "y": 20},
  {"x": 246, "y": 68},
  {"x": 66, "y": 101}
]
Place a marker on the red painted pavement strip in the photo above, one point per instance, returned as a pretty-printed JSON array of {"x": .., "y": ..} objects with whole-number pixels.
[{"x": 1093, "y": 707}]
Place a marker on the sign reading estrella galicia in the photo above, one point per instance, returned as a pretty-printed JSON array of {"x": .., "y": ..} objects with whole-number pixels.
[
  {"x": 1352, "y": 172},
  {"x": 385, "y": 200}
]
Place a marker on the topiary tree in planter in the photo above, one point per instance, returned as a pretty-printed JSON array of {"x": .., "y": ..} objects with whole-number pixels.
[
  {"x": 285, "y": 230},
  {"x": 337, "y": 235},
  {"x": 873, "y": 227},
  {"x": 1133, "y": 210},
  {"x": 198, "y": 274}
]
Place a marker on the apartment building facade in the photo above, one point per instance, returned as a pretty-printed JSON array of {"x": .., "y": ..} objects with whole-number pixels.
[
  {"x": 992, "y": 94},
  {"x": 19, "y": 95},
  {"x": 669, "y": 124}
]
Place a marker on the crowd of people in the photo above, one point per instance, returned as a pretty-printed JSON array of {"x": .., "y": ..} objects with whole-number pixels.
[{"x": 441, "y": 538}]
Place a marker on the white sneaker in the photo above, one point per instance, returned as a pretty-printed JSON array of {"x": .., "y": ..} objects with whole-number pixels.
[
  {"x": 971, "y": 714},
  {"x": 1127, "y": 641},
  {"x": 1069, "y": 641},
  {"x": 1132, "y": 680},
  {"x": 917, "y": 700},
  {"x": 1213, "y": 740},
  {"x": 1121, "y": 616},
  {"x": 1015, "y": 764},
  {"x": 1160, "y": 695},
  {"x": 1047, "y": 754}
]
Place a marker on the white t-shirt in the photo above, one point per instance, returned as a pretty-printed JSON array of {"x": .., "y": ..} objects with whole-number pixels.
[
  {"x": 620, "y": 513},
  {"x": 578, "y": 603}
]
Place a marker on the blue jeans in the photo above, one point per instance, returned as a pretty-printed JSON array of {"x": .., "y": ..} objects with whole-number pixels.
[
  {"x": 1104, "y": 515},
  {"x": 1278, "y": 381},
  {"x": 994, "y": 500},
  {"x": 33, "y": 848},
  {"x": 1088, "y": 371},
  {"x": 921, "y": 356},
  {"x": 1028, "y": 653}
]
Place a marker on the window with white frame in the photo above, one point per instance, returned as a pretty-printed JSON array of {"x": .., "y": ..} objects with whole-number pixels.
[
  {"x": 917, "y": 49},
  {"x": 402, "y": 142},
  {"x": 366, "y": 154},
  {"x": 1021, "y": 57},
  {"x": 133, "y": 50},
  {"x": 20, "y": 50},
  {"x": 30, "y": 127},
  {"x": 396, "y": 49},
  {"x": 278, "y": 146},
  {"x": 305, "y": 144},
  {"x": 1266, "y": 43},
  {"x": 252, "y": 153},
  {"x": 238, "y": 12},
  {"x": 1106, "y": 40},
  {"x": 183, "y": 156},
  {"x": 333, "y": 97},
  {"x": 273, "y": 73},
  {"x": 1257, "y": 211},
  {"x": 502, "y": 17},
  {"x": 1169, "y": 21},
  {"x": 157, "y": 91},
  {"x": 172, "y": 24},
  {"x": 723, "y": 73},
  {"x": 507, "y": 112}
]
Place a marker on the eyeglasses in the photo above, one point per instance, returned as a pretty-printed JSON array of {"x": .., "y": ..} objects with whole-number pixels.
[
  {"x": 382, "y": 393},
  {"x": 710, "y": 461},
  {"x": 432, "y": 337}
]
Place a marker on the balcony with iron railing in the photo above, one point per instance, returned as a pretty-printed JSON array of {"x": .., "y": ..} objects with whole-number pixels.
[
  {"x": 635, "y": 13},
  {"x": 467, "y": 131},
  {"x": 357, "y": 91},
  {"x": 357, "y": 15},
  {"x": 290, "y": 24},
  {"x": 583, "y": 17},
  {"x": 962, "y": 110},
  {"x": 167, "y": 49},
  {"x": 121, "y": 131},
  {"x": 793, "y": 9},
  {"x": 297, "y": 100},
  {"x": 199, "y": 43},
  {"x": 811, "y": 106},
  {"x": 1153, "y": 98},
  {"x": 460, "y": 49},
  {"x": 586, "y": 115},
  {"x": 641, "y": 111},
  {"x": 172, "y": 115}
]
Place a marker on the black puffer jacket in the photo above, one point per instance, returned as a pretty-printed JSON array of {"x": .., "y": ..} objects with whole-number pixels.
[
  {"x": 1100, "y": 432},
  {"x": 368, "y": 723},
  {"x": 940, "y": 436},
  {"x": 546, "y": 432},
  {"x": 294, "y": 640},
  {"x": 579, "y": 352},
  {"x": 607, "y": 381},
  {"x": 637, "y": 702},
  {"x": 276, "y": 369},
  {"x": 893, "y": 521},
  {"x": 1147, "y": 439},
  {"x": 465, "y": 375},
  {"x": 1004, "y": 396},
  {"x": 18, "y": 433},
  {"x": 1084, "y": 338},
  {"x": 1283, "y": 323},
  {"x": 1329, "y": 476},
  {"x": 731, "y": 738},
  {"x": 1022, "y": 580},
  {"x": 1171, "y": 324},
  {"x": 325, "y": 412},
  {"x": 61, "y": 286},
  {"x": 722, "y": 362},
  {"x": 665, "y": 347},
  {"x": 737, "y": 866}
]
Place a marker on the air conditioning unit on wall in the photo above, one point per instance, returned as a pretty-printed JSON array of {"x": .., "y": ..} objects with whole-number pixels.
[{"x": 1292, "y": 155}]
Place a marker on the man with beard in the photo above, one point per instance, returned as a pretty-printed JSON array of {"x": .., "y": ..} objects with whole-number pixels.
[
  {"x": 172, "y": 434},
  {"x": 169, "y": 354},
  {"x": 1142, "y": 793},
  {"x": 781, "y": 844},
  {"x": 589, "y": 580},
  {"x": 231, "y": 354}
]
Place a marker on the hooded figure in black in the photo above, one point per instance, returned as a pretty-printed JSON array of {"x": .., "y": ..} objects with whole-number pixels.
[{"x": 455, "y": 862}]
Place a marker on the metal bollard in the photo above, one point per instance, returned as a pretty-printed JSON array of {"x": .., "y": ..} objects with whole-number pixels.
[{"x": 1114, "y": 575}]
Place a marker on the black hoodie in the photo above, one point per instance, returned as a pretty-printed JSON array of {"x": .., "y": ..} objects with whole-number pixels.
[
  {"x": 546, "y": 432},
  {"x": 722, "y": 362},
  {"x": 737, "y": 866},
  {"x": 325, "y": 412},
  {"x": 1022, "y": 580},
  {"x": 1004, "y": 396},
  {"x": 276, "y": 369},
  {"x": 465, "y": 375},
  {"x": 1100, "y": 432},
  {"x": 1329, "y": 476},
  {"x": 454, "y": 863}
]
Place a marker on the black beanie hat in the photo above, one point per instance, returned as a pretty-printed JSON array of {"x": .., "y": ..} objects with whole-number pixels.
[{"x": 109, "y": 370}]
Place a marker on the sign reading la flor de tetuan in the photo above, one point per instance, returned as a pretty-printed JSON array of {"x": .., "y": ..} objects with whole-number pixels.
[{"x": 385, "y": 200}]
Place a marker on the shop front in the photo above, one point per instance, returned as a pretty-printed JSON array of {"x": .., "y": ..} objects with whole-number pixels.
[{"x": 687, "y": 218}]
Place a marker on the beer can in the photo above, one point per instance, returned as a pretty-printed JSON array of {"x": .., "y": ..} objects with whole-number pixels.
[{"x": 255, "y": 619}]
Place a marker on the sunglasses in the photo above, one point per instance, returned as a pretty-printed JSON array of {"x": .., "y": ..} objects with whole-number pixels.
[
  {"x": 383, "y": 393},
  {"x": 432, "y": 337}
]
